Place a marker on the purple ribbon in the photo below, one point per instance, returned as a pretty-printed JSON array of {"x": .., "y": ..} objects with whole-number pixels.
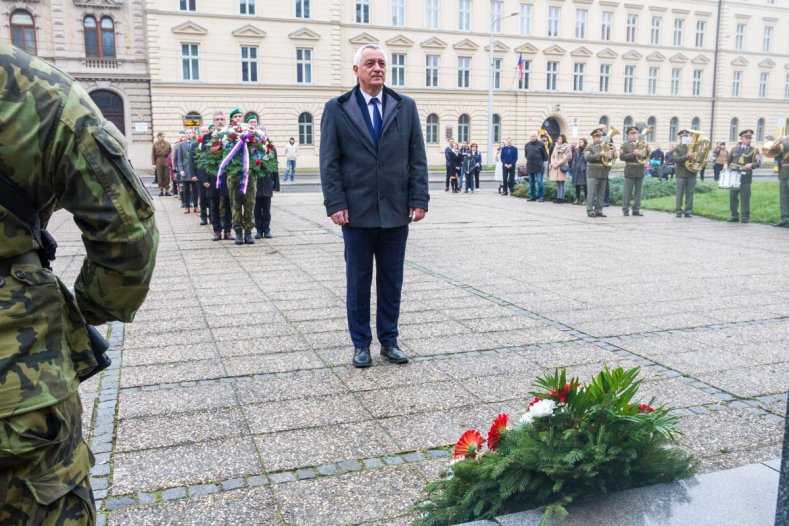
[{"x": 242, "y": 141}]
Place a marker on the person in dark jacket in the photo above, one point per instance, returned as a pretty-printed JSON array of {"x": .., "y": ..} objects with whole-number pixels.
[
  {"x": 203, "y": 182},
  {"x": 509, "y": 159},
  {"x": 579, "y": 173},
  {"x": 449, "y": 160},
  {"x": 477, "y": 165},
  {"x": 267, "y": 185},
  {"x": 454, "y": 167},
  {"x": 219, "y": 198},
  {"x": 184, "y": 161},
  {"x": 536, "y": 156},
  {"x": 374, "y": 180}
]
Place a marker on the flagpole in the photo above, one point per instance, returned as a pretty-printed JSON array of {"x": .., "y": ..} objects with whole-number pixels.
[{"x": 489, "y": 156}]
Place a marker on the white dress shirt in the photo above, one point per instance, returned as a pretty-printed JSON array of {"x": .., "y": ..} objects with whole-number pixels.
[{"x": 371, "y": 107}]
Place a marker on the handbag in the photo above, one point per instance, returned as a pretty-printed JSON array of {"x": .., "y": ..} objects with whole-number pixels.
[{"x": 564, "y": 167}]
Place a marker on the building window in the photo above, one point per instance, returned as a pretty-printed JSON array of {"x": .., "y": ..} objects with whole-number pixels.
[
  {"x": 581, "y": 15},
  {"x": 764, "y": 78},
  {"x": 607, "y": 22},
  {"x": 464, "y": 128},
  {"x": 496, "y": 128},
  {"x": 431, "y": 71},
  {"x": 632, "y": 23},
  {"x": 760, "y": 129},
  {"x": 767, "y": 39},
  {"x": 654, "y": 36},
  {"x": 695, "y": 124},
  {"x": 188, "y": 5},
  {"x": 526, "y": 11},
  {"x": 464, "y": 15},
  {"x": 786, "y": 89},
  {"x": 735, "y": 83},
  {"x": 23, "y": 31},
  {"x": 305, "y": 129},
  {"x": 578, "y": 76},
  {"x": 553, "y": 21},
  {"x": 679, "y": 26},
  {"x": 464, "y": 72},
  {"x": 553, "y": 73},
  {"x": 653, "y": 80},
  {"x": 398, "y": 69},
  {"x": 302, "y": 8},
  {"x": 605, "y": 77},
  {"x": 362, "y": 11},
  {"x": 630, "y": 73},
  {"x": 676, "y": 74},
  {"x": 603, "y": 120},
  {"x": 735, "y": 124},
  {"x": 431, "y": 14},
  {"x": 523, "y": 82},
  {"x": 739, "y": 37},
  {"x": 398, "y": 13},
  {"x": 628, "y": 122},
  {"x": 303, "y": 66},
  {"x": 247, "y": 7},
  {"x": 431, "y": 129},
  {"x": 497, "y": 62},
  {"x": 651, "y": 123},
  {"x": 249, "y": 64},
  {"x": 701, "y": 27},
  {"x": 673, "y": 126},
  {"x": 495, "y": 15},
  {"x": 99, "y": 42},
  {"x": 190, "y": 61},
  {"x": 697, "y": 75}
]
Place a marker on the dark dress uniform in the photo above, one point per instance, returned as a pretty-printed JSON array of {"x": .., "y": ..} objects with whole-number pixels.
[
  {"x": 783, "y": 185},
  {"x": 686, "y": 180},
  {"x": 596, "y": 177},
  {"x": 634, "y": 177},
  {"x": 266, "y": 186},
  {"x": 740, "y": 198}
]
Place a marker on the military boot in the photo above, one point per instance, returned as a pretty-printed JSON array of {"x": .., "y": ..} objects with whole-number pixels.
[
  {"x": 248, "y": 238},
  {"x": 239, "y": 238}
]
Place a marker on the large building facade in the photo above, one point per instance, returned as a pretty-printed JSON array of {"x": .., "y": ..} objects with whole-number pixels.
[
  {"x": 101, "y": 43},
  {"x": 670, "y": 64}
]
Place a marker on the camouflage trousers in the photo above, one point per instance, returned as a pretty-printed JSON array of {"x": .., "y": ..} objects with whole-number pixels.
[
  {"x": 242, "y": 205},
  {"x": 44, "y": 468}
]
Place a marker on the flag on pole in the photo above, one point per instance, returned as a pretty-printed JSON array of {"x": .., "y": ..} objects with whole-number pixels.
[{"x": 520, "y": 68}]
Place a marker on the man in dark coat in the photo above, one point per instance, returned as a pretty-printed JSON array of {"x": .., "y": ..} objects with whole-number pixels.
[
  {"x": 536, "y": 156},
  {"x": 267, "y": 185},
  {"x": 374, "y": 179},
  {"x": 221, "y": 219},
  {"x": 184, "y": 161}
]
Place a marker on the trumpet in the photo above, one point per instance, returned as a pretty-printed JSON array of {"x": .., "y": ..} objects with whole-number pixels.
[
  {"x": 641, "y": 144},
  {"x": 700, "y": 146},
  {"x": 608, "y": 146}
]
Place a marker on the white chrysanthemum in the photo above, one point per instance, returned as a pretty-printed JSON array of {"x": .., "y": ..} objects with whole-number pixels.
[
  {"x": 526, "y": 418},
  {"x": 542, "y": 408}
]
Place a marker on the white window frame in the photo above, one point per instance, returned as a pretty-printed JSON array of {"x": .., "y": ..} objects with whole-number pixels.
[
  {"x": 606, "y": 25},
  {"x": 304, "y": 65},
  {"x": 398, "y": 69},
  {"x": 673, "y": 129},
  {"x": 303, "y": 9},
  {"x": 498, "y": 65},
  {"x": 679, "y": 31},
  {"x": 652, "y": 82},
  {"x": 431, "y": 129},
  {"x": 605, "y": 78},
  {"x": 579, "y": 71},
  {"x": 246, "y": 7},
  {"x": 581, "y": 19},
  {"x": 526, "y": 15},
  {"x": 432, "y": 14},
  {"x": 767, "y": 39},
  {"x": 654, "y": 35},
  {"x": 764, "y": 81},
  {"x": 496, "y": 10},
  {"x": 306, "y": 129},
  {"x": 736, "y": 81},
  {"x": 739, "y": 37},
  {"x": 464, "y": 129},
  {"x": 733, "y": 128},
  {"x": 551, "y": 75},
  {"x": 524, "y": 83},
  {"x": 190, "y": 60},
  {"x": 432, "y": 70},
  {"x": 786, "y": 89},
  {"x": 362, "y": 11},
  {"x": 464, "y": 73},
  {"x": 554, "y": 16},
  {"x": 631, "y": 33},
  {"x": 701, "y": 28},
  {"x": 629, "y": 76},
  {"x": 464, "y": 15},
  {"x": 187, "y": 6},
  {"x": 398, "y": 13},
  {"x": 252, "y": 64},
  {"x": 698, "y": 76},
  {"x": 676, "y": 79}
]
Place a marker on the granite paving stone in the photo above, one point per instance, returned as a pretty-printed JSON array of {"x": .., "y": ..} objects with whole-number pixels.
[
  {"x": 178, "y": 400},
  {"x": 271, "y": 363},
  {"x": 255, "y": 346},
  {"x": 171, "y": 373},
  {"x": 169, "y": 354},
  {"x": 673, "y": 393},
  {"x": 392, "y": 376},
  {"x": 752, "y": 381},
  {"x": 312, "y": 384},
  {"x": 462, "y": 367},
  {"x": 304, "y": 413},
  {"x": 416, "y": 399}
]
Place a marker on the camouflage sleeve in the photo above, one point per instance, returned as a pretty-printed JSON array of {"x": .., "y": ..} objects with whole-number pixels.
[{"x": 93, "y": 180}]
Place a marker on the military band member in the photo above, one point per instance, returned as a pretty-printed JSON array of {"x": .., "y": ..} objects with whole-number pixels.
[
  {"x": 686, "y": 179},
  {"x": 743, "y": 158},
  {"x": 783, "y": 183},
  {"x": 596, "y": 174},
  {"x": 634, "y": 172},
  {"x": 159, "y": 153}
]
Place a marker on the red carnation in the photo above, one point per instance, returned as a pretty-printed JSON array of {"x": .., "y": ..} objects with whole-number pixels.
[
  {"x": 645, "y": 408},
  {"x": 232, "y": 137},
  {"x": 199, "y": 139},
  {"x": 257, "y": 162}
]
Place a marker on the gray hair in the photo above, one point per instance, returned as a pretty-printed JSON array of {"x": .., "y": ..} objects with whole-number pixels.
[
  {"x": 219, "y": 112},
  {"x": 357, "y": 57}
]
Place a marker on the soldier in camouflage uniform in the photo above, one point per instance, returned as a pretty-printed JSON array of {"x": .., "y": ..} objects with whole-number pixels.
[
  {"x": 57, "y": 149},
  {"x": 596, "y": 174},
  {"x": 243, "y": 205}
]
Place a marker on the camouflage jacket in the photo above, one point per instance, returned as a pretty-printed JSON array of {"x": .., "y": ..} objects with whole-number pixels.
[{"x": 56, "y": 147}]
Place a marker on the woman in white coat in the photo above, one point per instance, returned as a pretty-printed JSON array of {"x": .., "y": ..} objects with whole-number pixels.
[{"x": 560, "y": 164}]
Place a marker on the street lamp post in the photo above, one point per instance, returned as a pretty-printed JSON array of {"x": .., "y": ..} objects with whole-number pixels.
[{"x": 489, "y": 156}]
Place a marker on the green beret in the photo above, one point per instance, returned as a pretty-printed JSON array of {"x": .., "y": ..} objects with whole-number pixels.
[
  {"x": 211, "y": 126},
  {"x": 234, "y": 112},
  {"x": 251, "y": 116}
]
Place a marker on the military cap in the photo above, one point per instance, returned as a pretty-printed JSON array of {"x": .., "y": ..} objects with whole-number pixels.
[
  {"x": 683, "y": 133},
  {"x": 251, "y": 116},
  {"x": 746, "y": 133},
  {"x": 632, "y": 129},
  {"x": 597, "y": 132},
  {"x": 234, "y": 112}
]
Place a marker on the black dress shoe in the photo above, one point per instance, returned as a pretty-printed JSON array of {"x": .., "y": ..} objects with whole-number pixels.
[
  {"x": 267, "y": 235},
  {"x": 637, "y": 213},
  {"x": 204, "y": 221},
  {"x": 217, "y": 236},
  {"x": 362, "y": 358},
  {"x": 600, "y": 214},
  {"x": 782, "y": 223},
  {"x": 688, "y": 214},
  {"x": 626, "y": 213},
  {"x": 394, "y": 354},
  {"x": 733, "y": 220}
]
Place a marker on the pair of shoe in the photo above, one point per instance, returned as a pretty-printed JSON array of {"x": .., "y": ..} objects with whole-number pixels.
[
  {"x": 532, "y": 199},
  {"x": 186, "y": 210},
  {"x": 217, "y": 236},
  {"x": 362, "y": 358},
  {"x": 203, "y": 221},
  {"x": 599, "y": 214},
  {"x": 784, "y": 224},
  {"x": 637, "y": 213}
]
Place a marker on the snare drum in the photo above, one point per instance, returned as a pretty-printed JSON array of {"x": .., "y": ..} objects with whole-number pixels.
[{"x": 730, "y": 180}]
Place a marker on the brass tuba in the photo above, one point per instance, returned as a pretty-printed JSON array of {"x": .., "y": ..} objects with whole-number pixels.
[
  {"x": 608, "y": 146},
  {"x": 701, "y": 147},
  {"x": 641, "y": 144},
  {"x": 772, "y": 148}
]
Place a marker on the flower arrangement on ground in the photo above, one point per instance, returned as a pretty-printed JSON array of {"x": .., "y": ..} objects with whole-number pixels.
[
  {"x": 572, "y": 441},
  {"x": 235, "y": 153}
]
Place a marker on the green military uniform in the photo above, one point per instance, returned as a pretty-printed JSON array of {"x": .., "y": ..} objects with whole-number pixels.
[
  {"x": 159, "y": 153},
  {"x": 686, "y": 179},
  {"x": 242, "y": 206},
  {"x": 56, "y": 148},
  {"x": 634, "y": 176},
  {"x": 740, "y": 197},
  {"x": 783, "y": 184},
  {"x": 596, "y": 177}
]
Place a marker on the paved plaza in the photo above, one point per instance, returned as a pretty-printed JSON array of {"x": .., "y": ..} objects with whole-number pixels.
[{"x": 232, "y": 399}]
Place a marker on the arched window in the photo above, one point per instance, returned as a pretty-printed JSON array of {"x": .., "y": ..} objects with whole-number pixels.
[
  {"x": 92, "y": 48},
  {"x": 111, "y": 106},
  {"x": 464, "y": 128},
  {"x": 107, "y": 37},
  {"x": 603, "y": 120},
  {"x": 673, "y": 128},
  {"x": 628, "y": 123},
  {"x": 305, "y": 128},
  {"x": 651, "y": 123},
  {"x": 496, "y": 128},
  {"x": 23, "y": 31},
  {"x": 695, "y": 124},
  {"x": 733, "y": 129},
  {"x": 431, "y": 129},
  {"x": 760, "y": 129}
]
